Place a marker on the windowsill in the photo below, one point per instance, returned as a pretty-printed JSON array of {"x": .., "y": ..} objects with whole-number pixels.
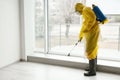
[{"x": 76, "y": 62}]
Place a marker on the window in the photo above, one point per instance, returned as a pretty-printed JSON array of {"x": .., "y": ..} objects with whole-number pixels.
[
  {"x": 64, "y": 26},
  {"x": 39, "y": 25},
  {"x": 109, "y": 43}
]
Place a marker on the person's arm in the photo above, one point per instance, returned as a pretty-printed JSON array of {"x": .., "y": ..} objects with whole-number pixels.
[
  {"x": 81, "y": 34},
  {"x": 90, "y": 19}
]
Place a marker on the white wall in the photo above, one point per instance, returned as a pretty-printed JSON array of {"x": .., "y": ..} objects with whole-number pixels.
[
  {"x": 27, "y": 27},
  {"x": 9, "y": 32}
]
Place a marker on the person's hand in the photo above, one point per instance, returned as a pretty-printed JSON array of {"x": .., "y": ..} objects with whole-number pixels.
[{"x": 80, "y": 39}]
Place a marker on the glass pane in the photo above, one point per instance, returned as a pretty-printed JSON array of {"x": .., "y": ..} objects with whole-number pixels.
[
  {"x": 64, "y": 26},
  {"x": 110, "y": 38},
  {"x": 39, "y": 25},
  {"x": 109, "y": 43}
]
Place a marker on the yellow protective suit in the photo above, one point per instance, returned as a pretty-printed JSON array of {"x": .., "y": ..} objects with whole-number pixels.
[{"x": 90, "y": 30}]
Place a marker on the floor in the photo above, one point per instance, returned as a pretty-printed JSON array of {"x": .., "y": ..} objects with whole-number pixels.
[{"x": 37, "y": 71}]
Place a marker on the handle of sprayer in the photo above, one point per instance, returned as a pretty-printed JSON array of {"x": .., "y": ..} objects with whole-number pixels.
[
  {"x": 73, "y": 47},
  {"x": 77, "y": 42}
]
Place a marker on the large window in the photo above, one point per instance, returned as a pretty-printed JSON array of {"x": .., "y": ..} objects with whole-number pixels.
[{"x": 63, "y": 27}]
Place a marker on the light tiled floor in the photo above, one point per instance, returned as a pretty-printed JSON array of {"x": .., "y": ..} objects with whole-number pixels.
[{"x": 36, "y": 71}]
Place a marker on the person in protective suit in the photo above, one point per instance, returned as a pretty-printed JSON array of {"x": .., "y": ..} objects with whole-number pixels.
[{"x": 90, "y": 31}]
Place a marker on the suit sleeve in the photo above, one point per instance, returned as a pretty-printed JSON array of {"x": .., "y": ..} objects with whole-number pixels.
[{"x": 89, "y": 20}]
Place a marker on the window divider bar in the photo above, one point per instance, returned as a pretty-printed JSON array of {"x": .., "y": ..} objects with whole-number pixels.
[{"x": 46, "y": 26}]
